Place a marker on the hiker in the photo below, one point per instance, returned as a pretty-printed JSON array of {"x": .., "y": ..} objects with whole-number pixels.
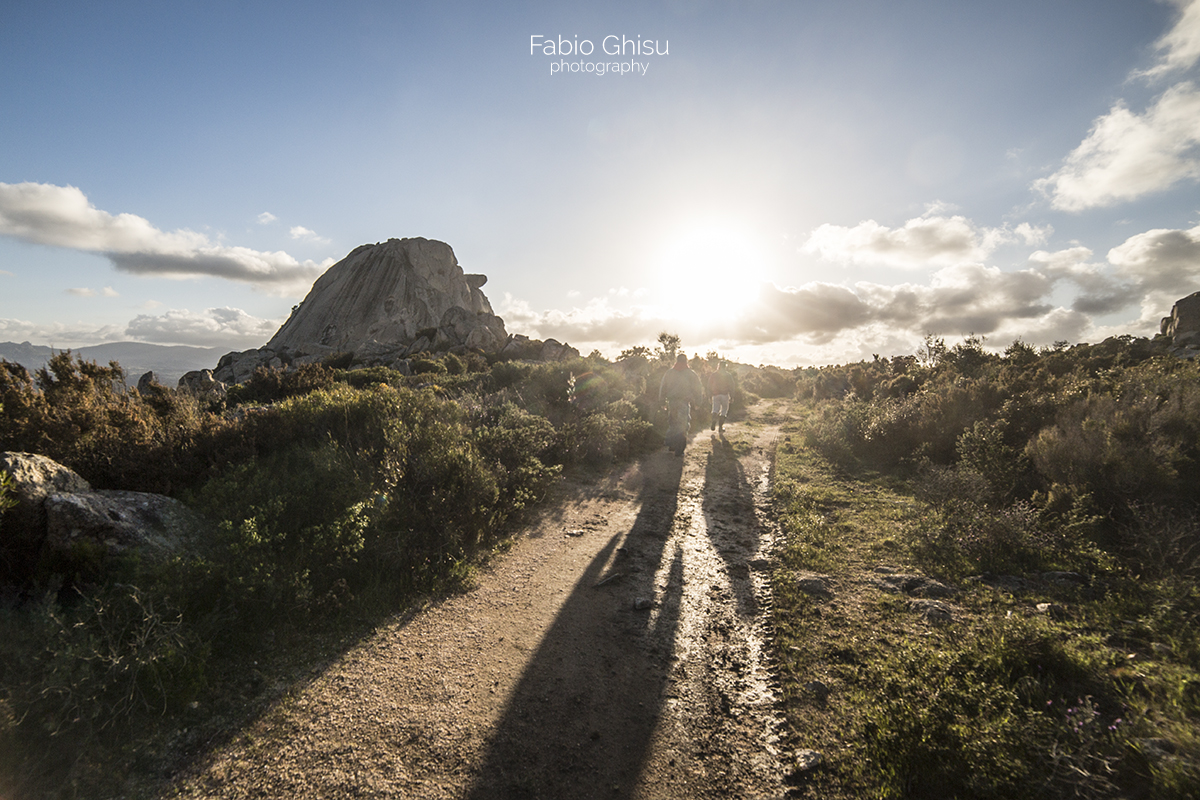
[
  {"x": 721, "y": 385},
  {"x": 681, "y": 389}
]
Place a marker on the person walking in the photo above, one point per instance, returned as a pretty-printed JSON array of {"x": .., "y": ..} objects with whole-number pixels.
[
  {"x": 721, "y": 385},
  {"x": 680, "y": 389}
]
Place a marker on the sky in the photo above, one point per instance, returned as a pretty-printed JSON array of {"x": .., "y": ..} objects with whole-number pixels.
[{"x": 794, "y": 183}]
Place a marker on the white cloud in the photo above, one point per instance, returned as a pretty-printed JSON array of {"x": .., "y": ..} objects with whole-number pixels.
[
  {"x": 266, "y": 218},
  {"x": 1180, "y": 46},
  {"x": 1161, "y": 260},
  {"x": 1126, "y": 155},
  {"x": 216, "y": 327},
  {"x": 107, "y": 291},
  {"x": 58, "y": 334},
  {"x": 927, "y": 241},
  {"x": 61, "y": 216},
  {"x": 300, "y": 232},
  {"x": 1031, "y": 234}
]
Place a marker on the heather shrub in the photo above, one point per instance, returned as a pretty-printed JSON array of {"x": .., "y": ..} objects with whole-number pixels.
[
  {"x": 268, "y": 385},
  {"x": 79, "y": 414}
]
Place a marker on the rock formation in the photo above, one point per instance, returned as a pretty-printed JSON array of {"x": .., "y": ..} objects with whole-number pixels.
[
  {"x": 384, "y": 303},
  {"x": 1183, "y": 326},
  {"x": 57, "y": 510}
]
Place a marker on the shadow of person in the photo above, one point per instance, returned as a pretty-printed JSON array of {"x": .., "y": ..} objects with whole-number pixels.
[
  {"x": 732, "y": 520},
  {"x": 580, "y": 720}
]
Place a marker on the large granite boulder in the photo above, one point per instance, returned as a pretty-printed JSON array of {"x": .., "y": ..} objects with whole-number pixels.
[
  {"x": 383, "y": 304},
  {"x": 387, "y": 292}
]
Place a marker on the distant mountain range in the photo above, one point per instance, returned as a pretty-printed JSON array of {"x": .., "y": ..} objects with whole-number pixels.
[{"x": 169, "y": 362}]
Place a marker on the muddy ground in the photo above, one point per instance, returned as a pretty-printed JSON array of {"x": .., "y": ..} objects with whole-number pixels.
[{"x": 617, "y": 651}]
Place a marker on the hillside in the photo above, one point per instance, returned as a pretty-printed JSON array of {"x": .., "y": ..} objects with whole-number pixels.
[{"x": 168, "y": 361}]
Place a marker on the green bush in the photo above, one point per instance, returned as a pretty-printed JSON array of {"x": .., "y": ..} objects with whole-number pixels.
[{"x": 1010, "y": 712}]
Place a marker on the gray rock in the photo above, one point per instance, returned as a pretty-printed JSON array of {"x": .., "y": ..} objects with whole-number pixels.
[
  {"x": 932, "y": 610},
  {"x": 1005, "y": 583},
  {"x": 807, "y": 760},
  {"x": 812, "y": 584},
  {"x": 916, "y": 585},
  {"x": 642, "y": 603},
  {"x": 147, "y": 380},
  {"x": 23, "y": 527},
  {"x": 1052, "y": 610},
  {"x": 1185, "y": 317},
  {"x": 1064, "y": 578},
  {"x": 554, "y": 350},
  {"x": 201, "y": 383},
  {"x": 156, "y": 526}
]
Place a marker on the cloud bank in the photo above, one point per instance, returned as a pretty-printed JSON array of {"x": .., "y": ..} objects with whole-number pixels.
[
  {"x": 928, "y": 240},
  {"x": 62, "y": 216},
  {"x": 1144, "y": 275},
  {"x": 215, "y": 327}
]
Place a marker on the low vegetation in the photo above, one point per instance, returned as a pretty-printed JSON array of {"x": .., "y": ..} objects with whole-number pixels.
[
  {"x": 1049, "y": 493},
  {"x": 337, "y": 497}
]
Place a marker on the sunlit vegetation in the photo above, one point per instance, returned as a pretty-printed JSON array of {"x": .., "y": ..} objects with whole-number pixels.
[
  {"x": 336, "y": 497},
  {"x": 1052, "y": 491}
]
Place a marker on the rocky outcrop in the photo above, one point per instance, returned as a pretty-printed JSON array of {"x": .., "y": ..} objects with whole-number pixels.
[
  {"x": 23, "y": 527},
  {"x": 388, "y": 292},
  {"x": 1183, "y": 327},
  {"x": 383, "y": 304},
  {"x": 200, "y": 382},
  {"x": 57, "y": 511}
]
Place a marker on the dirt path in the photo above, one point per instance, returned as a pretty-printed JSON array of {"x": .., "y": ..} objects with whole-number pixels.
[{"x": 616, "y": 652}]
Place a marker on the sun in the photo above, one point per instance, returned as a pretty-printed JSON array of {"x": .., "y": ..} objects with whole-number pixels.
[{"x": 709, "y": 271}]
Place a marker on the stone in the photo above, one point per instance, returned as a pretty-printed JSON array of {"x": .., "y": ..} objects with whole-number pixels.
[
  {"x": 808, "y": 760},
  {"x": 813, "y": 584},
  {"x": 147, "y": 380},
  {"x": 201, "y": 383},
  {"x": 554, "y": 350},
  {"x": 1052, "y": 610},
  {"x": 23, "y": 527},
  {"x": 916, "y": 585},
  {"x": 932, "y": 610},
  {"x": 154, "y": 525},
  {"x": 818, "y": 689},
  {"x": 642, "y": 603},
  {"x": 1064, "y": 578}
]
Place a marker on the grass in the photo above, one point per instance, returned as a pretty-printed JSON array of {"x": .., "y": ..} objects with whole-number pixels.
[{"x": 1098, "y": 698}]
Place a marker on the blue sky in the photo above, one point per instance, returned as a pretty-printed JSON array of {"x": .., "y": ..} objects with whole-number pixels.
[{"x": 792, "y": 182}]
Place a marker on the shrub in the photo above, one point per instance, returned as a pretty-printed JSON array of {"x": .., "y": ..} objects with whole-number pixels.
[{"x": 268, "y": 385}]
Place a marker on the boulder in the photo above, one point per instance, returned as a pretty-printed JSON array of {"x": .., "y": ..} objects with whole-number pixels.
[
  {"x": 1185, "y": 317},
  {"x": 201, "y": 383},
  {"x": 57, "y": 511},
  {"x": 23, "y": 527},
  {"x": 387, "y": 292},
  {"x": 119, "y": 522},
  {"x": 389, "y": 301},
  {"x": 554, "y": 350},
  {"x": 148, "y": 380}
]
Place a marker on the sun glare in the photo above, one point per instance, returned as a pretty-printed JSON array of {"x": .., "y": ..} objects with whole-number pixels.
[{"x": 708, "y": 272}]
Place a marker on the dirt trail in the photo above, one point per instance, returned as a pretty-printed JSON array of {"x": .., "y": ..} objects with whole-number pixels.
[{"x": 549, "y": 679}]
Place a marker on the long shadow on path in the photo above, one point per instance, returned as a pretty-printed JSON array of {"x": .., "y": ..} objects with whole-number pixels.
[
  {"x": 580, "y": 720},
  {"x": 731, "y": 518}
]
